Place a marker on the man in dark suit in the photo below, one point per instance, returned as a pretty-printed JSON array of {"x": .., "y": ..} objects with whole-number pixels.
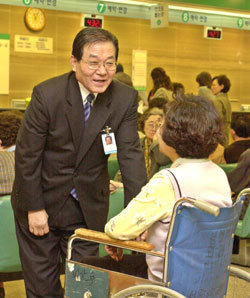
[{"x": 62, "y": 180}]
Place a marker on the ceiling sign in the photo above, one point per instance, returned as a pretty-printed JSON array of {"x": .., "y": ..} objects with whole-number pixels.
[
  {"x": 159, "y": 16},
  {"x": 176, "y": 14}
]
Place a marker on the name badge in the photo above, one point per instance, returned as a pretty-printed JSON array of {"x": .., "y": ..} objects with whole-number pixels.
[{"x": 108, "y": 141}]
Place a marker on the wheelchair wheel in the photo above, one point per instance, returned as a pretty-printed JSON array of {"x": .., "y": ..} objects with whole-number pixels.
[{"x": 147, "y": 291}]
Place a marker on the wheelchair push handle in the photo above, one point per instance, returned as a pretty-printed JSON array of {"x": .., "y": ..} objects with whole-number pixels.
[{"x": 209, "y": 208}]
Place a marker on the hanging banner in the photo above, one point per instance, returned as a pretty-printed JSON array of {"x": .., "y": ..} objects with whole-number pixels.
[
  {"x": 139, "y": 69},
  {"x": 159, "y": 16},
  {"x": 5, "y": 63}
]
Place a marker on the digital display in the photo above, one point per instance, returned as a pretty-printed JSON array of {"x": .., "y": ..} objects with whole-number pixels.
[
  {"x": 92, "y": 22},
  {"x": 214, "y": 34}
]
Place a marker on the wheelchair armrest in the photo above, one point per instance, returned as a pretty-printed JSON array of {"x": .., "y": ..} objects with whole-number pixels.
[{"x": 100, "y": 237}]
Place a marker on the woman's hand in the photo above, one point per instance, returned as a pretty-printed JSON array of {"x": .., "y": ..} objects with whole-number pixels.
[
  {"x": 143, "y": 236},
  {"x": 115, "y": 253}
]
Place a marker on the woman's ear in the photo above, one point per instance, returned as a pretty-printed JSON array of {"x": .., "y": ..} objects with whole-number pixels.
[
  {"x": 1, "y": 147},
  {"x": 165, "y": 149},
  {"x": 233, "y": 134}
]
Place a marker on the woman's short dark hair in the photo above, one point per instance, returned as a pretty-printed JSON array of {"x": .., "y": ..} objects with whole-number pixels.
[
  {"x": 241, "y": 126},
  {"x": 10, "y": 122},
  {"x": 91, "y": 36},
  {"x": 223, "y": 80},
  {"x": 192, "y": 126},
  {"x": 178, "y": 89},
  {"x": 204, "y": 79},
  {"x": 158, "y": 102}
]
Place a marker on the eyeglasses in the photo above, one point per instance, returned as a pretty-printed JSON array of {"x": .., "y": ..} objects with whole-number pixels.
[
  {"x": 154, "y": 125},
  {"x": 94, "y": 65}
]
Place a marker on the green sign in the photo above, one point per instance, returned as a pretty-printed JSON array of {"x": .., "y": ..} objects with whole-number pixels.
[
  {"x": 207, "y": 19},
  {"x": 4, "y": 36},
  {"x": 101, "y": 7},
  {"x": 233, "y": 4},
  {"x": 27, "y": 2},
  {"x": 240, "y": 22},
  {"x": 185, "y": 16},
  {"x": 140, "y": 88},
  {"x": 153, "y": 13}
]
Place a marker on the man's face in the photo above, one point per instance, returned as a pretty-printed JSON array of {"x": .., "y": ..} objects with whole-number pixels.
[
  {"x": 108, "y": 140},
  {"x": 95, "y": 80}
]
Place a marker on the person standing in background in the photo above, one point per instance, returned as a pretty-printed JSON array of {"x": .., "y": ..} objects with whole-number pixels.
[
  {"x": 62, "y": 180},
  {"x": 220, "y": 86},
  {"x": 162, "y": 85},
  {"x": 204, "y": 80}
]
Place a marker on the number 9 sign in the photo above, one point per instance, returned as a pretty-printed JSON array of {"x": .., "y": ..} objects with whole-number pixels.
[{"x": 240, "y": 22}]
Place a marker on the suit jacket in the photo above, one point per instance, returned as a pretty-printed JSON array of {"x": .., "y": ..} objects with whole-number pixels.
[
  {"x": 55, "y": 152},
  {"x": 7, "y": 172},
  {"x": 239, "y": 178},
  {"x": 233, "y": 151}
]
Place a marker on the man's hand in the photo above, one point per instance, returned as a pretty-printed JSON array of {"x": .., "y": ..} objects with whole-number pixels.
[
  {"x": 115, "y": 253},
  {"x": 38, "y": 222}
]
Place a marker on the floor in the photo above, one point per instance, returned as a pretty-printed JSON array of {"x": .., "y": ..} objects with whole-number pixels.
[{"x": 236, "y": 289}]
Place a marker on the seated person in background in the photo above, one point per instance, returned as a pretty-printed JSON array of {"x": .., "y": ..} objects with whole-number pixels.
[
  {"x": 126, "y": 79},
  {"x": 154, "y": 159},
  {"x": 178, "y": 90},
  {"x": 158, "y": 102},
  {"x": 239, "y": 178},
  {"x": 119, "y": 67},
  {"x": 190, "y": 132},
  {"x": 240, "y": 131},
  {"x": 10, "y": 123},
  {"x": 151, "y": 120}
]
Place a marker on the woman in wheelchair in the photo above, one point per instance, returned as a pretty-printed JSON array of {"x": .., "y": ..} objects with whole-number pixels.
[{"x": 191, "y": 131}]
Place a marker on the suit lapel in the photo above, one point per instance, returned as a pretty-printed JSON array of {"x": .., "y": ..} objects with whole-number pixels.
[
  {"x": 75, "y": 111},
  {"x": 99, "y": 114}
]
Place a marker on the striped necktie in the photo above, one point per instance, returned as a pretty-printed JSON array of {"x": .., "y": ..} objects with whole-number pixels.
[
  {"x": 87, "y": 106},
  {"x": 87, "y": 110}
]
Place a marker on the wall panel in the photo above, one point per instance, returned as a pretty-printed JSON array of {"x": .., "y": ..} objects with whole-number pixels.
[{"x": 180, "y": 49}]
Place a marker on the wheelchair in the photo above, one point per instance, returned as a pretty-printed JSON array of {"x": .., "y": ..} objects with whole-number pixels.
[{"x": 197, "y": 257}]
